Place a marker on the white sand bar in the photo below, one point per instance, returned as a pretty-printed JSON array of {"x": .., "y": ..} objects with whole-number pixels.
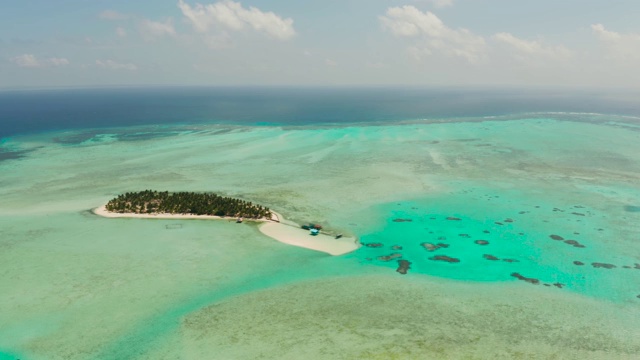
[
  {"x": 299, "y": 237},
  {"x": 102, "y": 211},
  {"x": 287, "y": 232}
]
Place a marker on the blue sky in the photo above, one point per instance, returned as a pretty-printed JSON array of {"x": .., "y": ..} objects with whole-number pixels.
[{"x": 348, "y": 42}]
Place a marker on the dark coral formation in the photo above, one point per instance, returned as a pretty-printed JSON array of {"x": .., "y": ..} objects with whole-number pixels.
[
  {"x": 486, "y": 231},
  {"x": 603, "y": 265},
  {"x": 444, "y": 258},
  {"x": 498, "y": 223},
  {"x": 389, "y": 257},
  {"x": 452, "y": 218},
  {"x": 579, "y": 263},
  {"x": 574, "y": 243},
  {"x": 509, "y": 220},
  {"x": 490, "y": 257},
  {"x": 558, "y": 285},
  {"x": 434, "y": 247},
  {"x": 402, "y": 220},
  {"x": 403, "y": 266},
  {"x": 523, "y": 278},
  {"x": 481, "y": 242},
  {"x": 556, "y": 237},
  {"x": 577, "y": 214},
  {"x": 373, "y": 245},
  {"x": 396, "y": 247},
  {"x": 466, "y": 236},
  {"x": 511, "y": 260}
]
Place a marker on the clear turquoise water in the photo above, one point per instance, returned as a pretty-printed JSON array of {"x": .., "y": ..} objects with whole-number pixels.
[
  {"x": 524, "y": 236},
  {"x": 79, "y": 286}
]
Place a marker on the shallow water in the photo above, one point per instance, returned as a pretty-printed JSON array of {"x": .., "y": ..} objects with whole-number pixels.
[{"x": 80, "y": 286}]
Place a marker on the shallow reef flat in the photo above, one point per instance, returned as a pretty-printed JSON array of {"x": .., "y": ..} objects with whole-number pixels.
[
  {"x": 383, "y": 317},
  {"x": 548, "y": 200}
]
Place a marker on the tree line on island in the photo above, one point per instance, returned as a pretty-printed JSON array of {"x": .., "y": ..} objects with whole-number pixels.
[{"x": 155, "y": 202}]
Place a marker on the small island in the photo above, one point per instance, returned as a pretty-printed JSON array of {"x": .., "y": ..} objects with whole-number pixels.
[
  {"x": 150, "y": 204},
  {"x": 163, "y": 202}
]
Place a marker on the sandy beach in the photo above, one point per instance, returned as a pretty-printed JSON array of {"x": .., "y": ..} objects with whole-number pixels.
[
  {"x": 102, "y": 211},
  {"x": 287, "y": 233},
  {"x": 297, "y": 236}
]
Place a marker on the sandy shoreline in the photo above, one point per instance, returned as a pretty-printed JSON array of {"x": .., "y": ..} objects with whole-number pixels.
[
  {"x": 276, "y": 228},
  {"x": 102, "y": 211}
]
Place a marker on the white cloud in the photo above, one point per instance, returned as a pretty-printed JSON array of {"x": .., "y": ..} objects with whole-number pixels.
[
  {"x": 113, "y": 65},
  {"x": 408, "y": 21},
  {"x": 57, "y": 61},
  {"x": 30, "y": 61},
  {"x": 26, "y": 60},
  {"x": 619, "y": 46},
  {"x": 152, "y": 29},
  {"x": 121, "y": 31},
  {"x": 113, "y": 15},
  {"x": 231, "y": 15},
  {"x": 330, "y": 62},
  {"x": 524, "y": 50}
]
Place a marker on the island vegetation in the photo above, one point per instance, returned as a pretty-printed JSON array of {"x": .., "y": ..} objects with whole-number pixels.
[{"x": 163, "y": 202}]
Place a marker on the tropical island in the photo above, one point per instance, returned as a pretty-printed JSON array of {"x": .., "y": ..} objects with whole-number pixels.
[
  {"x": 151, "y": 204},
  {"x": 163, "y": 202}
]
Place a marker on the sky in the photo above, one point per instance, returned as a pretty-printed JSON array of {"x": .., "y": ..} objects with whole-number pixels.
[{"x": 575, "y": 43}]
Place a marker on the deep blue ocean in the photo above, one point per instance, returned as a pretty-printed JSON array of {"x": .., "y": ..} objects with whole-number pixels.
[{"x": 35, "y": 111}]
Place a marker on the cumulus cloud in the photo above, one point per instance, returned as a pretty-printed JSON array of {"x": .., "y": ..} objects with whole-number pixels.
[
  {"x": 525, "y": 50},
  {"x": 121, "y": 32},
  {"x": 113, "y": 15},
  {"x": 26, "y": 60},
  {"x": 619, "y": 46},
  {"x": 153, "y": 29},
  {"x": 330, "y": 62},
  {"x": 30, "y": 61},
  {"x": 57, "y": 61},
  {"x": 113, "y": 65},
  {"x": 436, "y": 37},
  {"x": 232, "y": 16}
]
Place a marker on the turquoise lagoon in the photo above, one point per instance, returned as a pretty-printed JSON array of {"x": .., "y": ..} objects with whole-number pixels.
[{"x": 77, "y": 286}]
